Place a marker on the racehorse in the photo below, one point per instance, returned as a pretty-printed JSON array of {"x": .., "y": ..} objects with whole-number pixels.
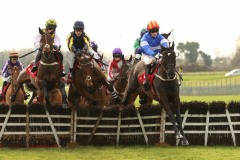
[
  {"x": 48, "y": 74},
  {"x": 122, "y": 79},
  {"x": 13, "y": 86},
  {"x": 164, "y": 88},
  {"x": 89, "y": 81}
]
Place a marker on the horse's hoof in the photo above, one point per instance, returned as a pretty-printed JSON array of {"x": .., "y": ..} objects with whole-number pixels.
[
  {"x": 179, "y": 135},
  {"x": 184, "y": 142},
  {"x": 65, "y": 106},
  {"x": 12, "y": 98},
  {"x": 142, "y": 101},
  {"x": 94, "y": 103}
]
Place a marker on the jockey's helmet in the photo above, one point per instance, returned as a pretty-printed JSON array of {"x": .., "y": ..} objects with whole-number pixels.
[
  {"x": 143, "y": 31},
  {"x": 78, "y": 25},
  {"x": 117, "y": 52},
  {"x": 51, "y": 23},
  {"x": 13, "y": 55},
  {"x": 94, "y": 45},
  {"x": 152, "y": 25}
]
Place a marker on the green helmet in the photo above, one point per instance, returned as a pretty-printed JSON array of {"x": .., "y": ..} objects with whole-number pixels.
[
  {"x": 143, "y": 31},
  {"x": 51, "y": 23}
]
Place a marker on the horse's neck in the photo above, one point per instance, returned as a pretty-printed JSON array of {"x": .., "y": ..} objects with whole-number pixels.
[
  {"x": 51, "y": 58},
  {"x": 162, "y": 72}
]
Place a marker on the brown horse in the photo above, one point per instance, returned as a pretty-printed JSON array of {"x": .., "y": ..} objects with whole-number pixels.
[
  {"x": 164, "y": 89},
  {"x": 48, "y": 74},
  {"x": 89, "y": 82},
  {"x": 122, "y": 79},
  {"x": 13, "y": 86}
]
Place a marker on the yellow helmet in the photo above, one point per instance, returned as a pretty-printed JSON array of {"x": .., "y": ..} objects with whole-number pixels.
[{"x": 51, "y": 23}]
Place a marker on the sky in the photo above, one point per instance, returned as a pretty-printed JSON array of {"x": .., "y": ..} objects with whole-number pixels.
[{"x": 117, "y": 23}]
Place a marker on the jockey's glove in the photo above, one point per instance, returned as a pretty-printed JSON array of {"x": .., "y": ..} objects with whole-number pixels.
[
  {"x": 56, "y": 47},
  {"x": 138, "y": 56},
  {"x": 9, "y": 79},
  {"x": 158, "y": 55}
]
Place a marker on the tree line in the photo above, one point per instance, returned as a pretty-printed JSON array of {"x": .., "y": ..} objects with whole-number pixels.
[{"x": 193, "y": 59}]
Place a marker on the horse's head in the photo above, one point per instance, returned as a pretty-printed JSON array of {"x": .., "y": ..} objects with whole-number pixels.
[
  {"x": 122, "y": 78},
  {"x": 85, "y": 64},
  {"x": 46, "y": 43},
  {"x": 126, "y": 68},
  {"x": 15, "y": 71},
  {"x": 168, "y": 62}
]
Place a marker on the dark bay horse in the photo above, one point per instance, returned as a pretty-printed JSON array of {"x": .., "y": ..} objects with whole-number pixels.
[
  {"x": 143, "y": 98},
  {"x": 164, "y": 89},
  {"x": 48, "y": 74},
  {"x": 90, "y": 82},
  {"x": 13, "y": 86}
]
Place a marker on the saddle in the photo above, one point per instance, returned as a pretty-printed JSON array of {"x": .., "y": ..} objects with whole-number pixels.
[
  {"x": 29, "y": 72},
  {"x": 154, "y": 69}
]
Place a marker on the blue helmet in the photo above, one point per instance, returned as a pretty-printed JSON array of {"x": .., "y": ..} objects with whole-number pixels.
[
  {"x": 117, "y": 52},
  {"x": 78, "y": 25}
]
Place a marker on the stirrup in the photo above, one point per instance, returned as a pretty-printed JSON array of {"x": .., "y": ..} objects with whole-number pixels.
[{"x": 63, "y": 74}]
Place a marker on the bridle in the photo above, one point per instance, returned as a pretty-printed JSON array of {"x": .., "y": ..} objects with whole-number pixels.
[
  {"x": 81, "y": 65},
  {"x": 168, "y": 78}
]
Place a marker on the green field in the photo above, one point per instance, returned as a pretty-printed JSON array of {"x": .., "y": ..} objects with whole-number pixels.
[{"x": 122, "y": 153}]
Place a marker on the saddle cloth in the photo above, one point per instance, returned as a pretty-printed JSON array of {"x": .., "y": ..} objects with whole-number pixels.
[{"x": 151, "y": 75}]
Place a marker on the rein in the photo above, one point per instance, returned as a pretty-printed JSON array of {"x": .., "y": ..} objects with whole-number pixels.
[{"x": 165, "y": 79}]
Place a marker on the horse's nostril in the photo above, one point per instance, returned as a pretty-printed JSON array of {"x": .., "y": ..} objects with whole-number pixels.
[{"x": 88, "y": 78}]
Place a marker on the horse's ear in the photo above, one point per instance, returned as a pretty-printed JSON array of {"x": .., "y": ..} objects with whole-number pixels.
[
  {"x": 130, "y": 59},
  {"x": 173, "y": 45},
  {"x": 40, "y": 30},
  {"x": 123, "y": 57}
]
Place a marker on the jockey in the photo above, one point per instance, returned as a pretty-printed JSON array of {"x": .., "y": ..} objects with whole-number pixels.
[
  {"x": 94, "y": 46},
  {"x": 151, "y": 44},
  {"x": 76, "y": 41},
  {"x": 51, "y": 26},
  {"x": 115, "y": 65},
  {"x": 137, "y": 47},
  {"x": 6, "y": 72}
]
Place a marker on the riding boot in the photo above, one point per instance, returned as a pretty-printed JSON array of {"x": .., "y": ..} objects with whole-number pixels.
[
  {"x": 70, "y": 76},
  {"x": 146, "y": 81},
  {"x": 2, "y": 94},
  {"x": 61, "y": 64},
  {"x": 38, "y": 57},
  {"x": 26, "y": 95}
]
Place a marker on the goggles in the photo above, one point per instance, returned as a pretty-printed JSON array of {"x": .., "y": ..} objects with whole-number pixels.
[{"x": 154, "y": 30}]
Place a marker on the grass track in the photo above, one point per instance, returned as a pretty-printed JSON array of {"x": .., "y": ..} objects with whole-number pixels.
[{"x": 122, "y": 153}]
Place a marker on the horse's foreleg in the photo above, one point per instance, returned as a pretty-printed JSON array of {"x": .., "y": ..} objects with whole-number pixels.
[
  {"x": 172, "y": 119},
  {"x": 13, "y": 97},
  {"x": 43, "y": 84},
  {"x": 64, "y": 95},
  {"x": 176, "y": 103},
  {"x": 112, "y": 91}
]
